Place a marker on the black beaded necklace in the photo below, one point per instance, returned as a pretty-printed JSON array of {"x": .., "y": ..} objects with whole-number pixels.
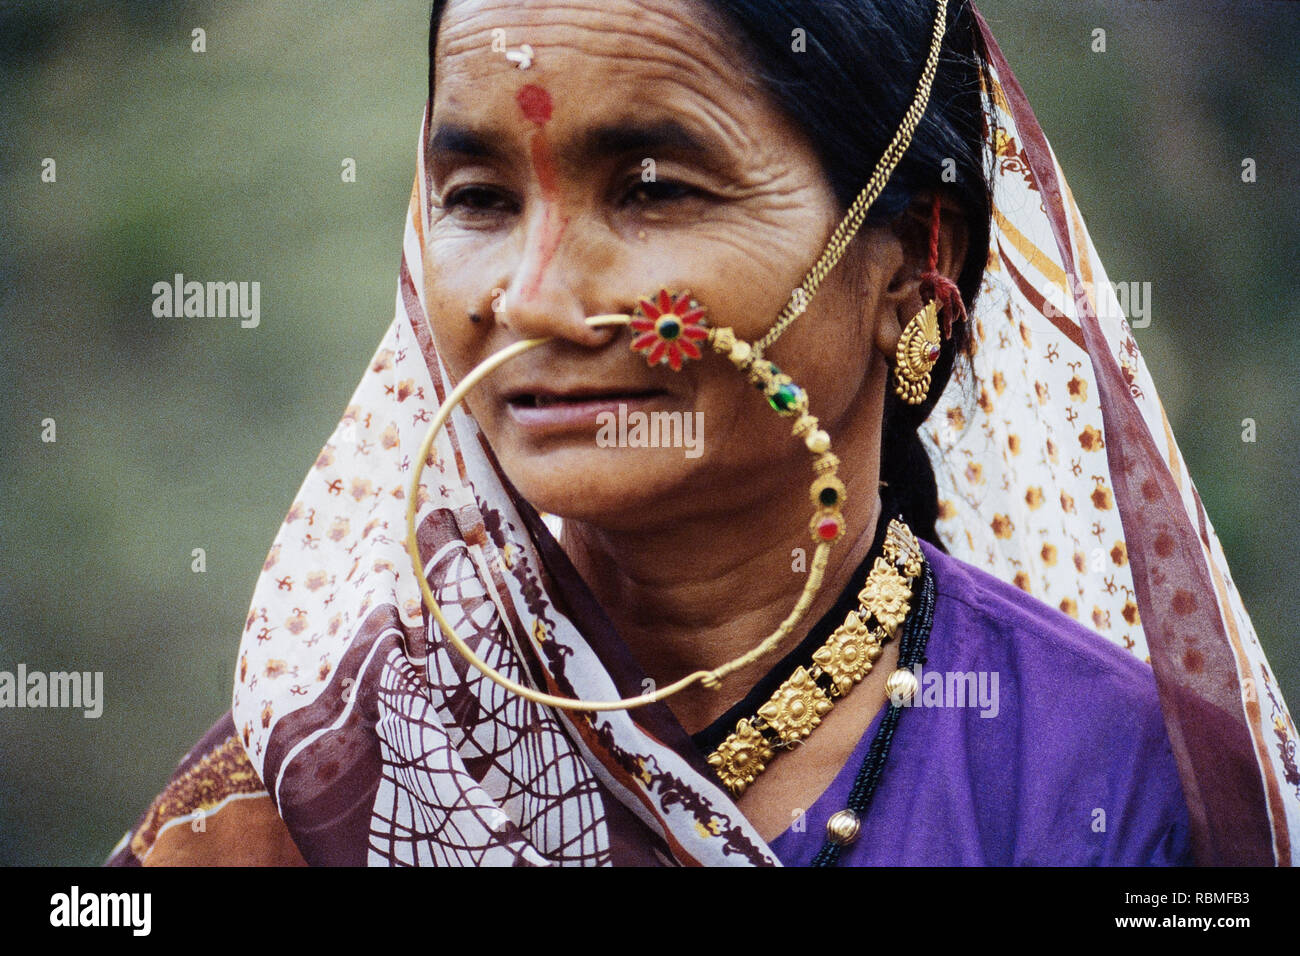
[{"x": 911, "y": 651}]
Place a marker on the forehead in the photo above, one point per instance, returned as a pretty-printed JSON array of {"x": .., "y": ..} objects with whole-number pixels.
[{"x": 594, "y": 56}]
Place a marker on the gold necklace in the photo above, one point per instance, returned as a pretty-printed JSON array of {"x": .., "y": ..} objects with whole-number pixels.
[{"x": 797, "y": 707}]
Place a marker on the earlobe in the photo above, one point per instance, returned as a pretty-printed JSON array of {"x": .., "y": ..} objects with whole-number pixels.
[{"x": 889, "y": 327}]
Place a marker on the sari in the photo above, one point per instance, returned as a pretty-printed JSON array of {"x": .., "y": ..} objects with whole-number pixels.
[{"x": 358, "y": 735}]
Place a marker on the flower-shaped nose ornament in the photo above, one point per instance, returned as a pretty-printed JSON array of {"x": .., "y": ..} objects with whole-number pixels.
[{"x": 667, "y": 328}]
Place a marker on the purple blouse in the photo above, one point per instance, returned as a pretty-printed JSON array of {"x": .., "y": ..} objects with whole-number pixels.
[{"x": 1033, "y": 742}]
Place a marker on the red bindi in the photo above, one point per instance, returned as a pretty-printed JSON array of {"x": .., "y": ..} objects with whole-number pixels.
[{"x": 535, "y": 103}]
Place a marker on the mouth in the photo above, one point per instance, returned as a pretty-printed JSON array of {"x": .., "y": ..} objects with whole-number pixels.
[
  {"x": 548, "y": 410},
  {"x": 542, "y": 399}
]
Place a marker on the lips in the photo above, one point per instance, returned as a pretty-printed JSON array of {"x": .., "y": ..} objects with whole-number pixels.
[
  {"x": 550, "y": 399},
  {"x": 549, "y": 410}
]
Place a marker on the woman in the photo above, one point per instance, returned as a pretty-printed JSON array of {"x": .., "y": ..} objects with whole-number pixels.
[{"x": 1024, "y": 446}]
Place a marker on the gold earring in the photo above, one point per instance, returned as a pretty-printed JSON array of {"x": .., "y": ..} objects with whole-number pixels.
[{"x": 918, "y": 350}]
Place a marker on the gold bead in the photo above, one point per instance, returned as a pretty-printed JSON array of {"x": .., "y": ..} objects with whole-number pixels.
[
  {"x": 826, "y": 464},
  {"x": 843, "y": 828},
  {"x": 818, "y": 442},
  {"x": 901, "y": 687},
  {"x": 803, "y": 424},
  {"x": 741, "y": 352}
]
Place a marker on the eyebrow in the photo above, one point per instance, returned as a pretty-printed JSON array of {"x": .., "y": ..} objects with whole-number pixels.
[
  {"x": 619, "y": 139},
  {"x": 454, "y": 139},
  {"x": 608, "y": 140}
]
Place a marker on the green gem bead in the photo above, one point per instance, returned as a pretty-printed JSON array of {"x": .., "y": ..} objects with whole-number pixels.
[
  {"x": 668, "y": 329},
  {"x": 829, "y": 497},
  {"x": 784, "y": 398}
]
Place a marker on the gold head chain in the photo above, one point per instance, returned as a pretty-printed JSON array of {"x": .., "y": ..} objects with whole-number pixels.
[{"x": 668, "y": 328}]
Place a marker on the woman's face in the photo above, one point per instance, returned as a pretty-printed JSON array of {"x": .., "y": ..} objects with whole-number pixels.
[{"x": 634, "y": 153}]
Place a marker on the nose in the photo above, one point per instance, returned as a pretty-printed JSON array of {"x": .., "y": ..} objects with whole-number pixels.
[{"x": 556, "y": 284}]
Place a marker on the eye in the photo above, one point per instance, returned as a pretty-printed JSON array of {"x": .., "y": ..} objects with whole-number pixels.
[
  {"x": 478, "y": 199},
  {"x": 660, "y": 190}
]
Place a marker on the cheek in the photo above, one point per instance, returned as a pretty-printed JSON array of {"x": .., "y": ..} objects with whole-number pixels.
[
  {"x": 456, "y": 284},
  {"x": 748, "y": 270},
  {"x": 839, "y": 375},
  {"x": 828, "y": 352},
  {"x": 832, "y": 356}
]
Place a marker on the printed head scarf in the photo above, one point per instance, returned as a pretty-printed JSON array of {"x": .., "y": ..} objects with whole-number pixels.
[{"x": 1056, "y": 469}]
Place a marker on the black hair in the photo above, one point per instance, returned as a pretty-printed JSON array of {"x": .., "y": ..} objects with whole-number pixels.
[{"x": 845, "y": 72}]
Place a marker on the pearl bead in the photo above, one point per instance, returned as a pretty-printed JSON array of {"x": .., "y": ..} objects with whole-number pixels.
[{"x": 818, "y": 442}]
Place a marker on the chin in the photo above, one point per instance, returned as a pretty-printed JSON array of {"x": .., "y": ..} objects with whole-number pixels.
[{"x": 620, "y": 489}]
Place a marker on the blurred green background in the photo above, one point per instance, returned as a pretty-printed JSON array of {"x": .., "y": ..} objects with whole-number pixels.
[{"x": 196, "y": 433}]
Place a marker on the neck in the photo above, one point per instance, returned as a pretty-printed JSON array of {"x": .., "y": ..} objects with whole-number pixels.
[{"x": 694, "y": 595}]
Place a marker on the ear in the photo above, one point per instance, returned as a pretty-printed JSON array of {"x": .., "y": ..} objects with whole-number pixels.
[{"x": 901, "y": 296}]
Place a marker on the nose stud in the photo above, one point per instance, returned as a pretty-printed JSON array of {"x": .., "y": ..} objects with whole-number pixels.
[{"x": 668, "y": 327}]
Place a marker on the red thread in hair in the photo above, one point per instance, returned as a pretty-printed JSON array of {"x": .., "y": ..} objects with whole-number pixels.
[
  {"x": 937, "y": 286},
  {"x": 934, "y": 233}
]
